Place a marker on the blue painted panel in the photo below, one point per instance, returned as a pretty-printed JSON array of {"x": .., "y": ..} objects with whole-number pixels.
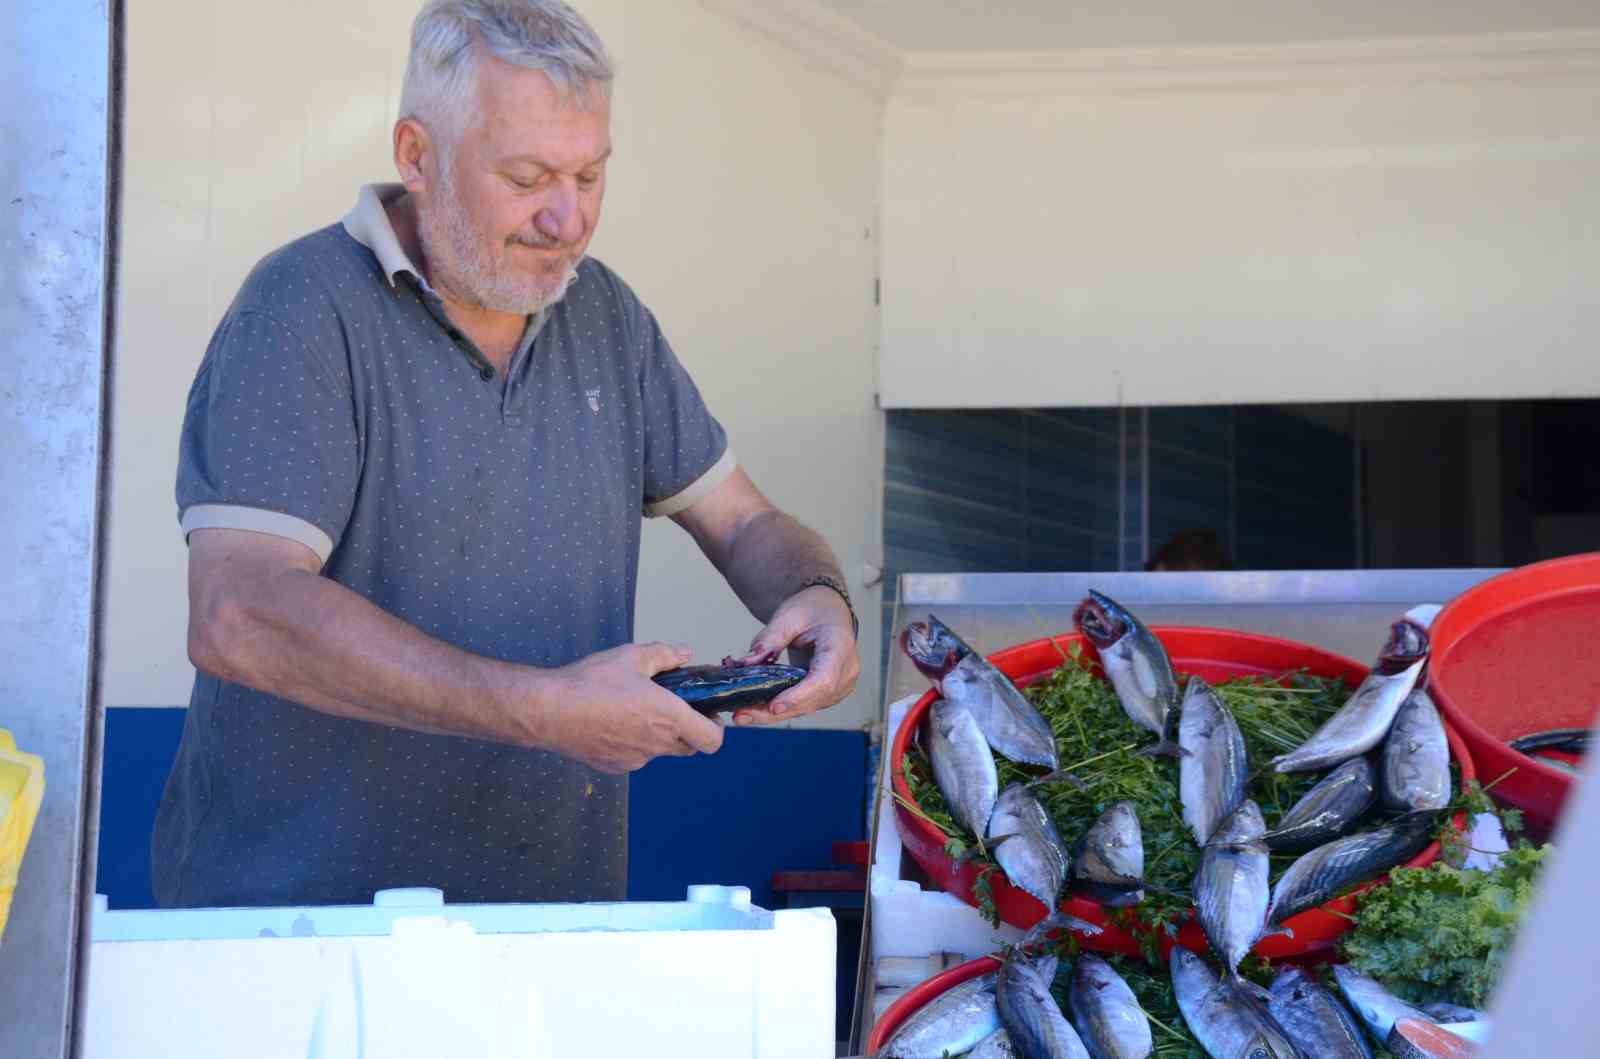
[
  {"x": 769, "y": 801},
  {"x": 140, "y": 745}
]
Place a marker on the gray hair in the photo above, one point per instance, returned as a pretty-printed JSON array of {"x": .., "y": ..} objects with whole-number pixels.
[{"x": 544, "y": 35}]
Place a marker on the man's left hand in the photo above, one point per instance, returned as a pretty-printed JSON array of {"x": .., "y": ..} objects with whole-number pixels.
[{"x": 814, "y": 626}]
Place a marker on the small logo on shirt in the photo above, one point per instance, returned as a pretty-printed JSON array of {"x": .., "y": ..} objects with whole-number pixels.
[{"x": 594, "y": 400}]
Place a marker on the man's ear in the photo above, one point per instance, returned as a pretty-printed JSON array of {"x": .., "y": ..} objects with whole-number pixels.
[{"x": 413, "y": 153}]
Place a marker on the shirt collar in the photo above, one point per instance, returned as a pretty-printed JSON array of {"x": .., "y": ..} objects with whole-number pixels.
[{"x": 368, "y": 224}]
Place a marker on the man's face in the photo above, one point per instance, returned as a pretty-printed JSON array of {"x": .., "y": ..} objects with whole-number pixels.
[{"x": 511, "y": 209}]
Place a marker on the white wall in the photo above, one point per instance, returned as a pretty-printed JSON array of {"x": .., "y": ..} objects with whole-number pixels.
[
  {"x": 1349, "y": 222},
  {"x": 741, "y": 206}
]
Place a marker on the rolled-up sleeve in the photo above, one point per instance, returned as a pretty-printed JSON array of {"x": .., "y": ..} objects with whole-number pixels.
[{"x": 269, "y": 440}]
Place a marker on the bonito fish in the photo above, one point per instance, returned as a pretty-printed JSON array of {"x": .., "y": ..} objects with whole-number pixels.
[
  {"x": 1230, "y": 1019},
  {"x": 1230, "y": 889},
  {"x": 1344, "y": 862},
  {"x": 1105, "y": 1012},
  {"x": 953, "y": 1022},
  {"x": 1008, "y": 720},
  {"x": 1214, "y": 769},
  {"x": 1364, "y": 719},
  {"x": 1027, "y": 845},
  {"x": 1327, "y": 810},
  {"x": 963, "y": 765},
  {"x": 1416, "y": 758},
  {"x": 1314, "y": 1018},
  {"x": 1137, "y": 666},
  {"x": 1108, "y": 861}
]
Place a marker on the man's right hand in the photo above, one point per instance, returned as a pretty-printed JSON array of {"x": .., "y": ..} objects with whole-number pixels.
[{"x": 605, "y": 711}]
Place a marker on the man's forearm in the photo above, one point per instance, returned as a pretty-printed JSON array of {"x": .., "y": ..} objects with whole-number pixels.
[
  {"x": 300, "y": 636},
  {"x": 771, "y": 557}
]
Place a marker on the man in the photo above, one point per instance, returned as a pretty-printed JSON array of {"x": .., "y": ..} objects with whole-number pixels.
[
  {"x": 412, "y": 474},
  {"x": 1193, "y": 549}
]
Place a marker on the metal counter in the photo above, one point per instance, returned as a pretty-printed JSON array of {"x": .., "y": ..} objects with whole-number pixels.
[
  {"x": 1345, "y": 611},
  {"x": 58, "y": 104}
]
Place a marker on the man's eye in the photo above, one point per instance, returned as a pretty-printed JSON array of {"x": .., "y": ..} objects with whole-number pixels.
[
  {"x": 588, "y": 181},
  {"x": 523, "y": 184}
]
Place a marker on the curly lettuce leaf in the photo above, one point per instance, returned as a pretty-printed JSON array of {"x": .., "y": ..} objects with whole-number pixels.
[{"x": 1441, "y": 933}]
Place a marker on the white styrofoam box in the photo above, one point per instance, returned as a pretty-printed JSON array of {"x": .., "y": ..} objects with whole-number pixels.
[
  {"x": 883, "y": 998},
  {"x": 713, "y": 976},
  {"x": 900, "y": 972}
]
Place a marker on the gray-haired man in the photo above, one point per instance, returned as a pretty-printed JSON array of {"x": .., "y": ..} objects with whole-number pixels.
[{"x": 411, "y": 477}]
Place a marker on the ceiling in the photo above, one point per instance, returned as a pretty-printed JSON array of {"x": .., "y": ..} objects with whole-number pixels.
[{"x": 983, "y": 25}]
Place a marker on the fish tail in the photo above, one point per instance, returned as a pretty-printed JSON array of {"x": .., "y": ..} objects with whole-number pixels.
[
  {"x": 1058, "y": 776},
  {"x": 1164, "y": 747}
]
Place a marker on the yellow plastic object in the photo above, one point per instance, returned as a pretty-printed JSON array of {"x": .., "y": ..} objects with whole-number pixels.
[{"x": 21, "y": 790}]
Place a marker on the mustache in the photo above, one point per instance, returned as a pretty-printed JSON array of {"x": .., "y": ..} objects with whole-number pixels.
[{"x": 537, "y": 240}]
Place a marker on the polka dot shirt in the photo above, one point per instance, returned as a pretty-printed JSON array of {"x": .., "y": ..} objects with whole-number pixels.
[{"x": 501, "y": 515}]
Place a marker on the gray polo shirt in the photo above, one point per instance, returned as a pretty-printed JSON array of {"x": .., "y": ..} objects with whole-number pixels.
[{"x": 337, "y": 406}]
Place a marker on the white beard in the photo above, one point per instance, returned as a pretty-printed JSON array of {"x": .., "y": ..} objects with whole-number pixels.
[{"x": 463, "y": 264}]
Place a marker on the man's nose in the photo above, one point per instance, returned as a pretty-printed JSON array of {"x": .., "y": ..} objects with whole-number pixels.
[{"x": 558, "y": 218}]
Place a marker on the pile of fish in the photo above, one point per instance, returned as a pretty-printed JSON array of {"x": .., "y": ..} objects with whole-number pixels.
[
  {"x": 1299, "y": 1018},
  {"x": 1386, "y": 745},
  {"x": 979, "y": 711},
  {"x": 1011, "y": 1012}
]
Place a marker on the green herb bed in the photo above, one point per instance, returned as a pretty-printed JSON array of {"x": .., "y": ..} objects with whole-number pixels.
[{"x": 1098, "y": 744}]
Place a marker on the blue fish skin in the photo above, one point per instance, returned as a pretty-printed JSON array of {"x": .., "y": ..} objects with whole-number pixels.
[{"x": 715, "y": 689}]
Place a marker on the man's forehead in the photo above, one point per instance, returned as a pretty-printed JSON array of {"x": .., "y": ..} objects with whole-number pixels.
[{"x": 522, "y": 113}]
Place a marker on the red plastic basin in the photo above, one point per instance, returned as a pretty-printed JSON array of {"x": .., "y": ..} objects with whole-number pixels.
[
  {"x": 1217, "y": 655},
  {"x": 1513, "y": 656}
]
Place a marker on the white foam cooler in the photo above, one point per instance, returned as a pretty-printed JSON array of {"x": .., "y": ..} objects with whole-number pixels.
[{"x": 713, "y": 977}]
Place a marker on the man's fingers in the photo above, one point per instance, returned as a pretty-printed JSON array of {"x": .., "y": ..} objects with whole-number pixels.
[
  {"x": 701, "y": 733},
  {"x": 778, "y": 635},
  {"x": 824, "y": 685},
  {"x": 660, "y": 657}
]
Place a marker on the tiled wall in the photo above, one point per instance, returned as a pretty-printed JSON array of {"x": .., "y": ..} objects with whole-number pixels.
[{"x": 1101, "y": 489}]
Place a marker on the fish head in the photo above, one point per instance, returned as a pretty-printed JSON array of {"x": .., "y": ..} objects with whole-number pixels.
[
  {"x": 1114, "y": 842},
  {"x": 1261, "y": 1048},
  {"x": 1197, "y": 693},
  {"x": 1407, "y": 645},
  {"x": 1120, "y": 826},
  {"x": 932, "y": 647},
  {"x": 1092, "y": 972},
  {"x": 1244, "y": 825},
  {"x": 943, "y": 715},
  {"x": 1190, "y": 975},
  {"x": 1102, "y": 619}
]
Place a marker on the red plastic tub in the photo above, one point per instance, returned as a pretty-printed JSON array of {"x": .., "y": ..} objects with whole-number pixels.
[
  {"x": 1217, "y": 655},
  {"x": 918, "y": 995},
  {"x": 1516, "y": 655}
]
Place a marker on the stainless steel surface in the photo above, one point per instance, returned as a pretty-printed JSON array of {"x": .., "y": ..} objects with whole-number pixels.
[
  {"x": 1346, "y": 611},
  {"x": 55, "y": 97}
]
